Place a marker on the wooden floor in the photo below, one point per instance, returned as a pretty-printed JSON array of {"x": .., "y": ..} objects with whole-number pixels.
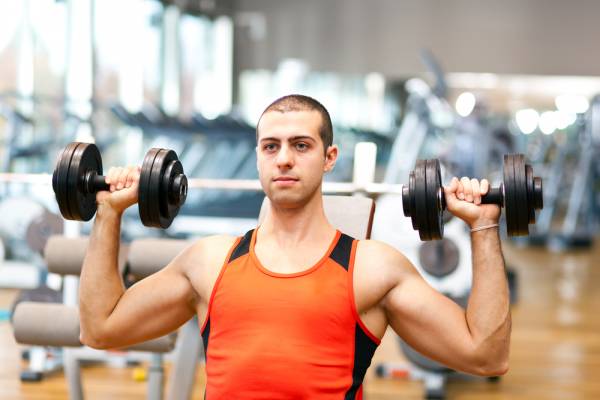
[{"x": 555, "y": 348}]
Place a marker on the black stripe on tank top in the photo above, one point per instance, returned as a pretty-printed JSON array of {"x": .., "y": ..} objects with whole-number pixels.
[
  {"x": 243, "y": 246},
  {"x": 341, "y": 251},
  {"x": 205, "y": 336},
  {"x": 364, "y": 348}
]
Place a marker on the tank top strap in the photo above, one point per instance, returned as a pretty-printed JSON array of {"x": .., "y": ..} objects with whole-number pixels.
[
  {"x": 342, "y": 251},
  {"x": 242, "y": 247}
]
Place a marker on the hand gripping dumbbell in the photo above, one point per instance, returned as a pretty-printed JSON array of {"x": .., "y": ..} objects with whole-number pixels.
[
  {"x": 520, "y": 194},
  {"x": 78, "y": 177}
]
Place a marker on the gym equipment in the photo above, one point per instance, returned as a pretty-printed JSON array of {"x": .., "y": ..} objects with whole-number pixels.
[
  {"x": 26, "y": 224},
  {"x": 439, "y": 258},
  {"x": 520, "y": 194},
  {"x": 579, "y": 224},
  {"x": 78, "y": 177},
  {"x": 44, "y": 324}
]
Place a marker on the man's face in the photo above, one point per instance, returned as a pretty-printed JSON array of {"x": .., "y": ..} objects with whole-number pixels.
[{"x": 290, "y": 156}]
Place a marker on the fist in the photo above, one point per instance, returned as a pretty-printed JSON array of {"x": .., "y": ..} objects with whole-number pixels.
[
  {"x": 123, "y": 191},
  {"x": 463, "y": 199}
]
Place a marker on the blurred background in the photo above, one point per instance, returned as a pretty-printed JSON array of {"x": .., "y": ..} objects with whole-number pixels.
[{"x": 464, "y": 81}]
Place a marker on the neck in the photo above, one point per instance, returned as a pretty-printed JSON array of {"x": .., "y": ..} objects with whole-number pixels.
[{"x": 289, "y": 226}]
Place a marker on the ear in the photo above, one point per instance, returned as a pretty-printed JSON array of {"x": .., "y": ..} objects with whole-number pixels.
[{"x": 330, "y": 158}]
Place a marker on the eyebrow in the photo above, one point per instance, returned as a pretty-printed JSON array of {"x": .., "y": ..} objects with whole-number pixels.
[{"x": 292, "y": 139}]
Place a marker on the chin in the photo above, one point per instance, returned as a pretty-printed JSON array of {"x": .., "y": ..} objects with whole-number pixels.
[
  {"x": 286, "y": 200},
  {"x": 289, "y": 199}
]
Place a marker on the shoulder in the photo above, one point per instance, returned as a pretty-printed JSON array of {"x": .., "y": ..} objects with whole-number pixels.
[
  {"x": 380, "y": 251},
  {"x": 210, "y": 248},
  {"x": 202, "y": 260},
  {"x": 205, "y": 252},
  {"x": 378, "y": 258}
]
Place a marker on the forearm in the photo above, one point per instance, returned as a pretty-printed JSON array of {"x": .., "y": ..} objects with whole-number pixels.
[
  {"x": 488, "y": 312},
  {"x": 101, "y": 285}
]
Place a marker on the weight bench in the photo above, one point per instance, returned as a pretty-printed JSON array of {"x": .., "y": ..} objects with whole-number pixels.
[{"x": 52, "y": 324}]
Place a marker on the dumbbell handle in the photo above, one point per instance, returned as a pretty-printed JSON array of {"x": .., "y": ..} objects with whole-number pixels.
[
  {"x": 495, "y": 195},
  {"x": 93, "y": 183}
]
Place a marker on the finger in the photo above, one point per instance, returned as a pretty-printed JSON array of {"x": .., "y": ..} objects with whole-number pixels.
[
  {"x": 110, "y": 178},
  {"x": 107, "y": 176},
  {"x": 129, "y": 178},
  {"x": 122, "y": 178},
  {"x": 484, "y": 186},
  {"x": 476, "y": 191},
  {"x": 114, "y": 177},
  {"x": 468, "y": 191},
  {"x": 134, "y": 176},
  {"x": 453, "y": 186},
  {"x": 450, "y": 192}
]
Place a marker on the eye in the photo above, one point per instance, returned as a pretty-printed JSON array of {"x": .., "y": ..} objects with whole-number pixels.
[
  {"x": 270, "y": 147},
  {"x": 301, "y": 146}
]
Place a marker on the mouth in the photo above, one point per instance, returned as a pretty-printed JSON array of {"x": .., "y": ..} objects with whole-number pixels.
[{"x": 285, "y": 180}]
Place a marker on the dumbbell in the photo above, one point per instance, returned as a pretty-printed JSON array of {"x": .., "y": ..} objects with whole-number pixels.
[
  {"x": 520, "y": 194},
  {"x": 78, "y": 177}
]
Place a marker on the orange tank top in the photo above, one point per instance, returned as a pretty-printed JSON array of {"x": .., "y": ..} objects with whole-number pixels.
[{"x": 286, "y": 336}]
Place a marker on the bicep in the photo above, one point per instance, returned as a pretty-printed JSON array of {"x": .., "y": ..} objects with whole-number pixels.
[
  {"x": 165, "y": 300},
  {"x": 153, "y": 307},
  {"x": 429, "y": 322}
]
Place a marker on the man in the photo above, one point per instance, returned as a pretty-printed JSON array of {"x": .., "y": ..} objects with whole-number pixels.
[{"x": 295, "y": 309}]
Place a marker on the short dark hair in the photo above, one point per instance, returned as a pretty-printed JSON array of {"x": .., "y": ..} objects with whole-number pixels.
[{"x": 299, "y": 102}]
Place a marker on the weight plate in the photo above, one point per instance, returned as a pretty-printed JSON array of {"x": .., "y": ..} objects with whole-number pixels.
[
  {"x": 521, "y": 195},
  {"x": 509, "y": 193},
  {"x": 154, "y": 188},
  {"x": 433, "y": 188},
  {"x": 143, "y": 190},
  {"x": 172, "y": 197},
  {"x": 412, "y": 210},
  {"x": 530, "y": 193},
  {"x": 439, "y": 258},
  {"x": 86, "y": 158},
  {"x": 60, "y": 180},
  {"x": 170, "y": 168},
  {"x": 406, "y": 198},
  {"x": 421, "y": 211},
  {"x": 72, "y": 181}
]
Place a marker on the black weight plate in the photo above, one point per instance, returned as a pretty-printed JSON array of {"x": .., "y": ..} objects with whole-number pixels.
[
  {"x": 521, "y": 195},
  {"x": 170, "y": 169},
  {"x": 530, "y": 193},
  {"x": 143, "y": 191},
  {"x": 406, "y": 199},
  {"x": 86, "y": 157},
  {"x": 72, "y": 180},
  {"x": 433, "y": 188},
  {"x": 421, "y": 211},
  {"x": 59, "y": 180},
  {"x": 412, "y": 209},
  {"x": 154, "y": 188},
  {"x": 509, "y": 193},
  {"x": 172, "y": 198}
]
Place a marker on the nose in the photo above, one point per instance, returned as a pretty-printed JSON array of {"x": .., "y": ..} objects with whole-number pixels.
[{"x": 285, "y": 158}]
